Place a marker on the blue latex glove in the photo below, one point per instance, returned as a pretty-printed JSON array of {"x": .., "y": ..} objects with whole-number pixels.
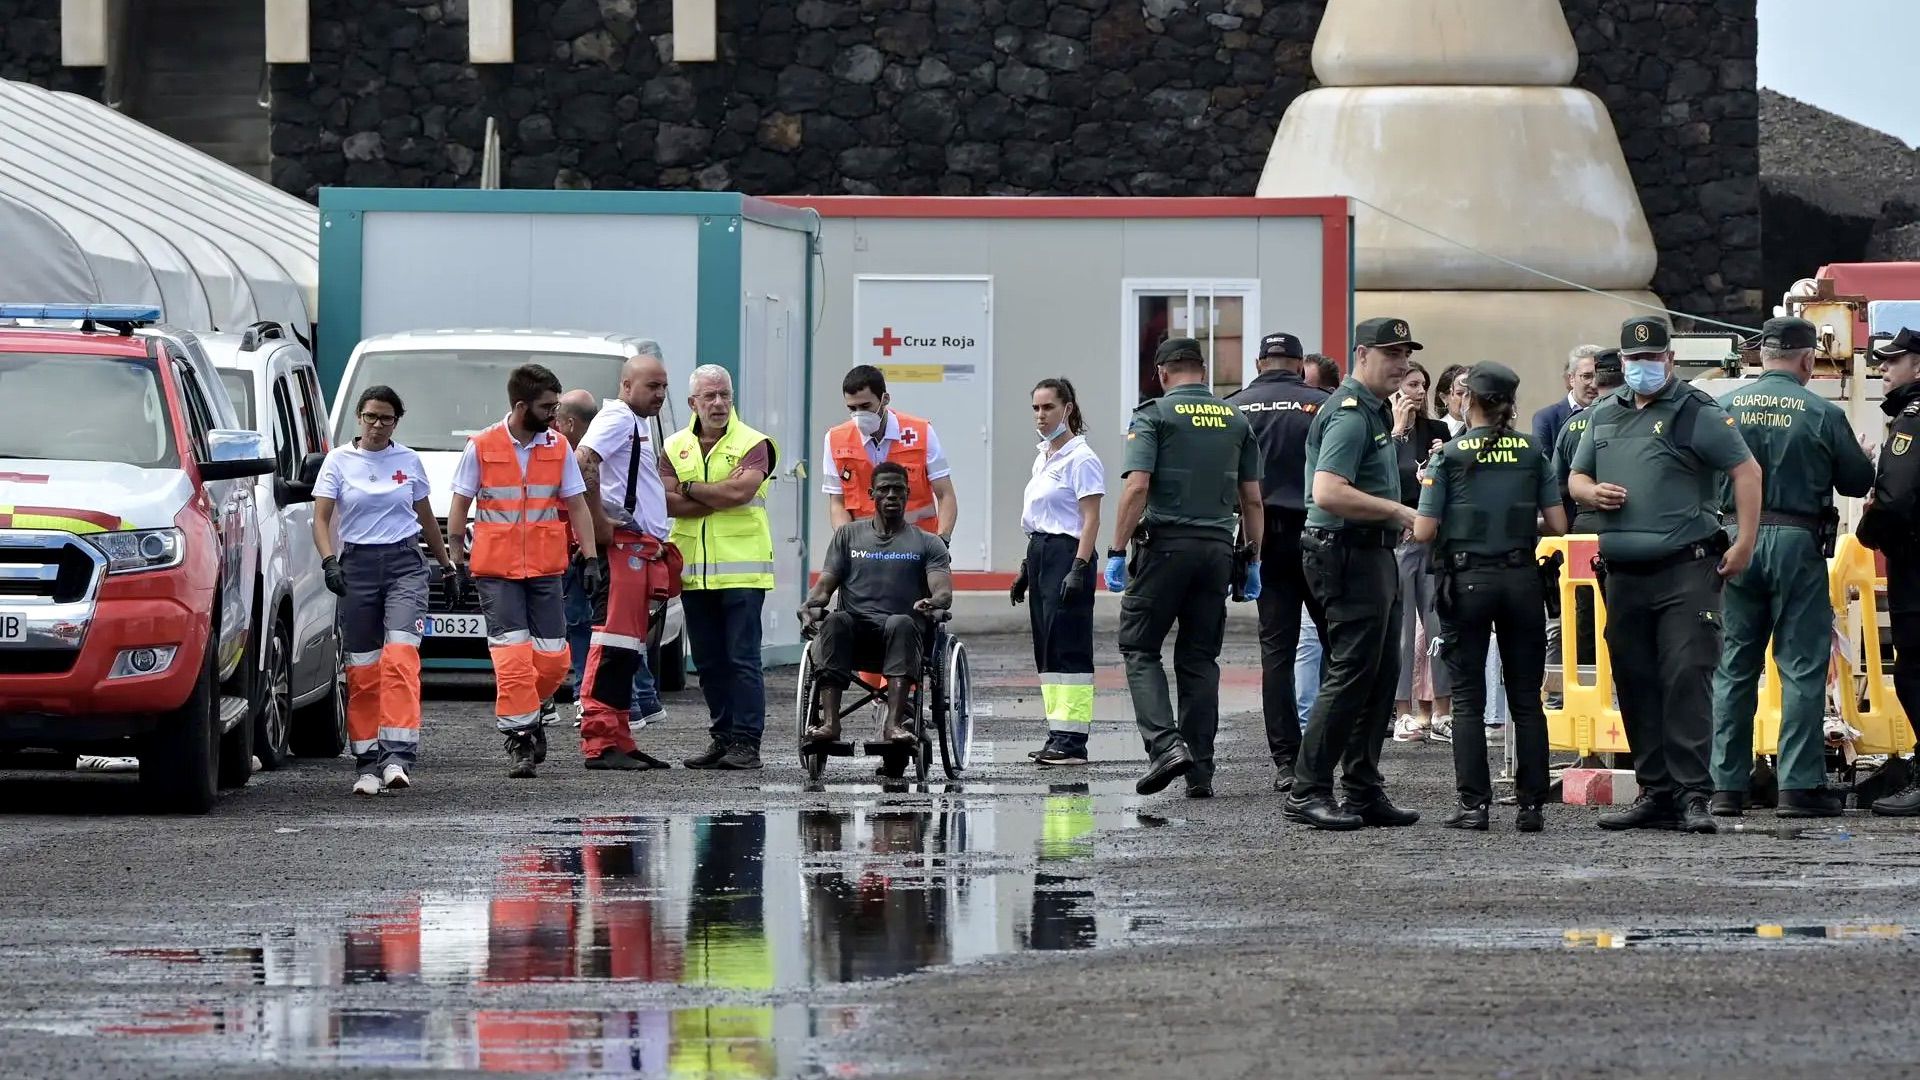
[
  {"x": 1251, "y": 590},
  {"x": 1116, "y": 573}
]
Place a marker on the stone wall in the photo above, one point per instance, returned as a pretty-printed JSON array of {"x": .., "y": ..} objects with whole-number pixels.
[{"x": 30, "y": 49}]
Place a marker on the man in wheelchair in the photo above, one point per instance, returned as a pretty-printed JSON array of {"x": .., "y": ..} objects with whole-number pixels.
[{"x": 893, "y": 580}]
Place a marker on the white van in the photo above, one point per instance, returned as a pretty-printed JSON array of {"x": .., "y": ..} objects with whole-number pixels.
[{"x": 454, "y": 385}]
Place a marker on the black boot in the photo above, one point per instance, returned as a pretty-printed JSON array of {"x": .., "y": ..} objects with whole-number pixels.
[
  {"x": 1530, "y": 819},
  {"x": 1283, "y": 776},
  {"x": 1728, "y": 804},
  {"x": 1649, "y": 811},
  {"x": 716, "y": 750},
  {"x": 1162, "y": 770},
  {"x": 1320, "y": 812},
  {"x": 1809, "y": 803},
  {"x": 1468, "y": 817},
  {"x": 1379, "y": 811},
  {"x": 741, "y": 756},
  {"x": 1903, "y": 803},
  {"x": 520, "y": 756},
  {"x": 1694, "y": 817}
]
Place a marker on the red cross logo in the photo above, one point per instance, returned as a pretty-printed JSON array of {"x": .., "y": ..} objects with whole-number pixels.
[
  {"x": 1613, "y": 731},
  {"x": 887, "y": 341},
  {"x": 399, "y": 476},
  {"x": 909, "y": 437}
]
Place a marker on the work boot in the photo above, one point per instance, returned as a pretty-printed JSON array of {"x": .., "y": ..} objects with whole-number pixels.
[
  {"x": 1694, "y": 817},
  {"x": 539, "y": 737},
  {"x": 1649, "y": 811},
  {"x": 1468, "y": 817},
  {"x": 897, "y": 731},
  {"x": 615, "y": 761},
  {"x": 1902, "y": 803},
  {"x": 1814, "y": 802},
  {"x": 1199, "y": 789},
  {"x": 1062, "y": 751},
  {"x": 1283, "y": 777},
  {"x": 646, "y": 760},
  {"x": 520, "y": 756},
  {"x": 1320, "y": 812},
  {"x": 1379, "y": 811},
  {"x": 710, "y": 759},
  {"x": 741, "y": 756},
  {"x": 549, "y": 712},
  {"x": 1728, "y": 804},
  {"x": 1161, "y": 771},
  {"x": 1530, "y": 819}
]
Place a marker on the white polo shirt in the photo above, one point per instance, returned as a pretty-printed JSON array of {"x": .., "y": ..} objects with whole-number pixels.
[
  {"x": 466, "y": 474},
  {"x": 373, "y": 493},
  {"x": 1061, "y": 478},
  {"x": 877, "y": 451},
  {"x": 616, "y": 434}
]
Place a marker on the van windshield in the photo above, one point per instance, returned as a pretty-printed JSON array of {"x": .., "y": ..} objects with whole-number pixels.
[
  {"x": 119, "y": 413},
  {"x": 451, "y": 395}
]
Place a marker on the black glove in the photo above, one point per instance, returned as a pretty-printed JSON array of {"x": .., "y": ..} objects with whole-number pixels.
[
  {"x": 450, "y": 585},
  {"x": 336, "y": 577},
  {"x": 1077, "y": 582},
  {"x": 592, "y": 577},
  {"x": 1019, "y": 590}
]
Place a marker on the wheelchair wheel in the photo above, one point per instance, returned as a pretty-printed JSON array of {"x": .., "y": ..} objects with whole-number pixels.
[
  {"x": 922, "y": 738},
  {"x": 954, "y": 709},
  {"x": 803, "y": 698}
]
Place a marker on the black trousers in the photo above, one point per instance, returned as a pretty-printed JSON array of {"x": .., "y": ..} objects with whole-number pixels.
[
  {"x": 1481, "y": 602},
  {"x": 1359, "y": 588},
  {"x": 847, "y": 643},
  {"x": 1903, "y": 610},
  {"x": 1283, "y": 589},
  {"x": 1663, "y": 632},
  {"x": 1062, "y": 636},
  {"x": 1178, "y": 579}
]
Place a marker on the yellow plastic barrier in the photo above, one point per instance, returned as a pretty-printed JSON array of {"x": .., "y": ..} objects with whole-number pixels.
[
  {"x": 1855, "y": 578},
  {"x": 1587, "y": 722}
]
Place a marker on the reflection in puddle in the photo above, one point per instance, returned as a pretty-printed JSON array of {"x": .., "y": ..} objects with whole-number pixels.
[
  {"x": 1762, "y": 935},
  {"x": 713, "y": 925}
]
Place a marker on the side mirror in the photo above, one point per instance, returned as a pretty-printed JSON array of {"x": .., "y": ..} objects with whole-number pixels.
[
  {"x": 289, "y": 492},
  {"x": 235, "y": 455}
]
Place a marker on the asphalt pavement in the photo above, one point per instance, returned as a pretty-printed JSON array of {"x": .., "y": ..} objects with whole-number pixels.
[{"x": 1015, "y": 923}]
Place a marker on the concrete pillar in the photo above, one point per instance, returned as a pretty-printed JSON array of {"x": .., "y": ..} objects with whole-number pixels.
[
  {"x": 288, "y": 35},
  {"x": 695, "y": 31},
  {"x": 490, "y": 31},
  {"x": 1444, "y": 43},
  {"x": 84, "y": 36}
]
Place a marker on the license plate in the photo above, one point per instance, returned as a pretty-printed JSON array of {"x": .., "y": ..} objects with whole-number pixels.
[
  {"x": 456, "y": 626},
  {"x": 13, "y": 627}
]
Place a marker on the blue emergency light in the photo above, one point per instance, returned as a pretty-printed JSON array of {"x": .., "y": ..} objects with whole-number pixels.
[{"x": 135, "y": 314}]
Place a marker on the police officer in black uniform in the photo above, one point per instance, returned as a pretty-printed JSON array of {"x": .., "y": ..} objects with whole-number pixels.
[
  {"x": 1280, "y": 406},
  {"x": 1354, "y": 521},
  {"x": 1478, "y": 505},
  {"x": 1891, "y": 525},
  {"x": 1651, "y": 461},
  {"x": 1191, "y": 465}
]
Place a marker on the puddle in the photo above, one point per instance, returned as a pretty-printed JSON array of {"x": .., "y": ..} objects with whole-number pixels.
[
  {"x": 712, "y": 931},
  {"x": 1762, "y": 935}
]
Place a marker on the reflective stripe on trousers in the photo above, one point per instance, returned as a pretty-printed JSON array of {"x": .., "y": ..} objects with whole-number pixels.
[
  {"x": 1062, "y": 634},
  {"x": 619, "y": 635},
  {"x": 381, "y": 617},
  {"x": 526, "y": 628}
]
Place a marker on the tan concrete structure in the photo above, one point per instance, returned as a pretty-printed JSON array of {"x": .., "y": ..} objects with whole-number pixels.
[
  {"x": 288, "y": 32},
  {"x": 490, "y": 31},
  {"x": 1454, "y": 114},
  {"x": 84, "y": 34}
]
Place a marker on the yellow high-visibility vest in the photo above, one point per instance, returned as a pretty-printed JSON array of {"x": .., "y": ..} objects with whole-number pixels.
[{"x": 727, "y": 549}]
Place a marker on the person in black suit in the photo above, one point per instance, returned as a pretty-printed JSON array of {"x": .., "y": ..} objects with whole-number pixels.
[{"x": 1580, "y": 394}]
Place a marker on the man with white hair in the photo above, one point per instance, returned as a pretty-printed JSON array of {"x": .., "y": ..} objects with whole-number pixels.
[
  {"x": 1580, "y": 394},
  {"x": 716, "y": 472}
]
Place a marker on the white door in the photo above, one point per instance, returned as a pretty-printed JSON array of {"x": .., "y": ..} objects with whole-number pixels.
[
  {"x": 772, "y": 397},
  {"x": 1223, "y": 315},
  {"x": 933, "y": 337}
]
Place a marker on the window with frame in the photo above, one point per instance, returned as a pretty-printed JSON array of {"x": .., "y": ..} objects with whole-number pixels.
[{"x": 287, "y": 450}]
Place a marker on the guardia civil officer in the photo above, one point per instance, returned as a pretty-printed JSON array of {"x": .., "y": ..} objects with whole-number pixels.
[
  {"x": 1607, "y": 376},
  {"x": 1279, "y": 406},
  {"x": 1807, "y": 451},
  {"x": 1650, "y": 461},
  {"x": 1354, "y": 520},
  {"x": 1892, "y": 525},
  {"x": 1478, "y": 506},
  {"x": 1190, "y": 459}
]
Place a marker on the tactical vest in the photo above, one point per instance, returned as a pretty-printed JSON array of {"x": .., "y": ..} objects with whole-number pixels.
[
  {"x": 1493, "y": 486},
  {"x": 1196, "y": 472},
  {"x": 727, "y": 549}
]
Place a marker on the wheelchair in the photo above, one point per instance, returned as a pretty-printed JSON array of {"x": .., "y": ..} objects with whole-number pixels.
[{"x": 939, "y": 710}]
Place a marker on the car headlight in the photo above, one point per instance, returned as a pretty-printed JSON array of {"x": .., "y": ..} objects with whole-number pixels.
[{"x": 140, "y": 549}]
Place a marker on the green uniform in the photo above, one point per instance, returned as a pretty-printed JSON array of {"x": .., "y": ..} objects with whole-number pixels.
[
  {"x": 1199, "y": 451},
  {"x": 1662, "y": 585},
  {"x": 1580, "y": 519},
  {"x": 1351, "y": 569},
  {"x": 1487, "y": 490},
  {"x": 1806, "y": 451}
]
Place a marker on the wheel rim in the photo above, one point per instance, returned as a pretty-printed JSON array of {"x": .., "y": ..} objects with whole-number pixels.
[
  {"x": 279, "y": 703},
  {"x": 959, "y": 706},
  {"x": 340, "y": 705}
]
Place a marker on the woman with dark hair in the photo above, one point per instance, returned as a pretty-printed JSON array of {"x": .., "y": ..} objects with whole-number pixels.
[
  {"x": 1062, "y": 522},
  {"x": 1418, "y": 436},
  {"x": 1479, "y": 506},
  {"x": 371, "y": 498},
  {"x": 1450, "y": 397}
]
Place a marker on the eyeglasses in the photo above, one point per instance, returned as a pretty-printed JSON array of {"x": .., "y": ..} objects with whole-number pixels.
[{"x": 378, "y": 419}]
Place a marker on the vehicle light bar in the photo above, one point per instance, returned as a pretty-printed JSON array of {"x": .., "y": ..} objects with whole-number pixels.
[{"x": 137, "y": 314}]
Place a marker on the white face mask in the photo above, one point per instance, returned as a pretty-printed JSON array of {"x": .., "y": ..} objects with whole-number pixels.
[
  {"x": 869, "y": 423},
  {"x": 1055, "y": 433}
]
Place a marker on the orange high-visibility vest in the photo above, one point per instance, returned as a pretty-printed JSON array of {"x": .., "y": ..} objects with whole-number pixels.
[
  {"x": 519, "y": 522},
  {"x": 909, "y": 451}
]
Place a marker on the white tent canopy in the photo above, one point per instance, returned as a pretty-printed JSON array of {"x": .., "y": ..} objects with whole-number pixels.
[{"x": 92, "y": 199}]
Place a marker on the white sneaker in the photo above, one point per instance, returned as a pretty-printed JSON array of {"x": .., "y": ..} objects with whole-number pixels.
[
  {"x": 1409, "y": 729},
  {"x": 654, "y": 717},
  {"x": 97, "y": 763},
  {"x": 395, "y": 777},
  {"x": 1441, "y": 730},
  {"x": 549, "y": 713},
  {"x": 368, "y": 784}
]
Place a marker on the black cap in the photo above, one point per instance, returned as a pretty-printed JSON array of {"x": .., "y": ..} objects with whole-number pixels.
[
  {"x": 1284, "y": 345},
  {"x": 1904, "y": 342},
  {"x": 1491, "y": 379},
  {"x": 1380, "y": 333},
  {"x": 1176, "y": 350},
  {"x": 1646, "y": 334},
  {"x": 1608, "y": 361},
  {"x": 1787, "y": 333}
]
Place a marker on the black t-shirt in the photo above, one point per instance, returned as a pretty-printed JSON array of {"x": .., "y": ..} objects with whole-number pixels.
[
  {"x": 1413, "y": 453},
  {"x": 881, "y": 576}
]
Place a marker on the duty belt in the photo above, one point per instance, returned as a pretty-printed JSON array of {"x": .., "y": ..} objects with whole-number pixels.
[
  {"x": 1474, "y": 560},
  {"x": 1691, "y": 553},
  {"x": 1357, "y": 538},
  {"x": 1808, "y": 522}
]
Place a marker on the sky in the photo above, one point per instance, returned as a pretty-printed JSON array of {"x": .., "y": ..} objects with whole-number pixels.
[{"x": 1839, "y": 71}]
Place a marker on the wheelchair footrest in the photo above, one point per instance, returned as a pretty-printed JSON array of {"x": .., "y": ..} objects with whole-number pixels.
[
  {"x": 828, "y": 749},
  {"x": 889, "y": 749}
]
